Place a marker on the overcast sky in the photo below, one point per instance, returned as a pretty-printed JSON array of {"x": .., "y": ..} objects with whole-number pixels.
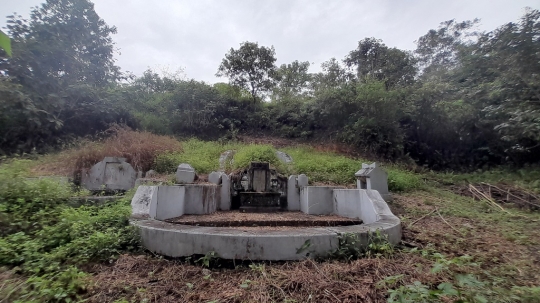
[{"x": 195, "y": 35}]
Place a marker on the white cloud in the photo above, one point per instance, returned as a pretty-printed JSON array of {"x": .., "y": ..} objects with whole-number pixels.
[{"x": 196, "y": 34}]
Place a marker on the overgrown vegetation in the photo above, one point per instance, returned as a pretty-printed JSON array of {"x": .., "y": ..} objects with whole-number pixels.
[
  {"x": 47, "y": 242},
  {"x": 462, "y": 100},
  {"x": 445, "y": 105}
]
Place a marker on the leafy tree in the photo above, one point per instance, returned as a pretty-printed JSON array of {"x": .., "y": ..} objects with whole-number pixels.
[
  {"x": 440, "y": 48},
  {"x": 250, "y": 67},
  {"x": 293, "y": 80},
  {"x": 334, "y": 75},
  {"x": 63, "y": 47},
  {"x": 373, "y": 59},
  {"x": 5, "y": 43}
]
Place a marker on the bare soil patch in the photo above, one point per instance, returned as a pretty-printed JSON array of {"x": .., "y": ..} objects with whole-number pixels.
[{"x": 246, "y": 219}]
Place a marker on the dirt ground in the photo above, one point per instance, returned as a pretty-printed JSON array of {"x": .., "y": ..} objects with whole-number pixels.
[{"x": 428, "y": 225}]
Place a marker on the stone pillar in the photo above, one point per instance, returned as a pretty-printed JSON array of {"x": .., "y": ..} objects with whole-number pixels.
[
  {"x": 215, "y": 177},
  {"x": 225, "y": 192},
  {"x": 293, "y": 194},
  {"x": 302, "y": 180}
]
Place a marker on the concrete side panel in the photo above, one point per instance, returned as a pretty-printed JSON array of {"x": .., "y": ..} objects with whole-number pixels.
[
  {"x": 381, "y": 207},
  {"x": 347, "y": 203},
  {"x": 317, "y": 200},
  {"x": 201, "y": 199},
  {"x": 170, "y": 202},
  {"x": 225, "y": 192},
  {"x": 368, "y": 211},
  {"x": 293, "y": 194},
  {"x": 140, "y": 204}
]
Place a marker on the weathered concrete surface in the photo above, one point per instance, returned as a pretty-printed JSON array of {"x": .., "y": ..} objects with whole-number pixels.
[
  {"x": 347, "y": 203},
  {"x": 111, "y": 174},
  {"x": 185, "y": 173},
  {"x": 225, "y": 193},
  {"x": 293, "y": 194},
  {"x": 170, "y": 202},
  {"x": 178, "y": 240},
  {"x": 147, "y": 181},
  {"x": 215, "y": 177},
  {"x": 371, "y": 176},
  {"x": 303, "y": 180},
  {"x": 226, "y": 159},
  {"x": 201, "y": 199},
  {"x": 140, "y": 203},
  {"x": 284, "y": 157},
  {"x": 182, "y": 240},
  {"x": 317, "y": 200}
]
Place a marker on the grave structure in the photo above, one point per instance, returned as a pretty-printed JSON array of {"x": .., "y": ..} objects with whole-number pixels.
[
  {"x": 113, "y": 174},
  {"x": 298, "y": 220}
]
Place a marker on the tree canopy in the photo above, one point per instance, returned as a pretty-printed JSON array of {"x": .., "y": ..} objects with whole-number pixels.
[{"x": 251, "y": 67}]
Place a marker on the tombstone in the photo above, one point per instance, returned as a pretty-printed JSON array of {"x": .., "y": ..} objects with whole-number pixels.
[
  {"x": 371, "y": 176},
  {"x": 259, "y": 174},
  {"x": 261, "y": 188},
  {"x": 226, "y": 159},
  {"x": 284, "y": 157},
  {"x": 303, "y": 180},
  {"x": 215, "y": 177},
  {"x": 185, "y": 173},
  {"x": 112, "y": 174}
]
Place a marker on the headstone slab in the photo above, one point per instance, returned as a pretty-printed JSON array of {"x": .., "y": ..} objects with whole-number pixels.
[
  {"x": 215, "y": 177},
  {"x": 185, "y": 173},
  {"x": 226, "y": 159},
  {"x": 303, "y": 180},
  {"x": 284, "y": 157},
  {"x": 111, "y": 174}
]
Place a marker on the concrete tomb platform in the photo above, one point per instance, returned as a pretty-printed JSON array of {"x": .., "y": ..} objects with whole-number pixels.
[{"x": 251, "y": 243}]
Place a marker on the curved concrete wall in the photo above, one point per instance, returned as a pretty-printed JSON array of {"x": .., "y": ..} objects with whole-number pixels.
[{"x": 177, "y": 240}]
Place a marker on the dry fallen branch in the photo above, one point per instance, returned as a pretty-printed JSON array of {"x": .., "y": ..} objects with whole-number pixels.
[
  {"x": 480, "y": 195},
  {"x": 444, "y": 220},
  {"x": 422, "y": 218},
  {"x": 515, "y": 196}
]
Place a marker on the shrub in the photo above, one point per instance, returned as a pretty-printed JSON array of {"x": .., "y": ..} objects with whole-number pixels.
[
  {"x": 401, "y": 180},
  {"x": 202, "y": 155},
  {"x": 324, "y": 166},
  {"x": 257, "y": 153},
  {"x": 139, "y": 148},
  {"x": 47, "y": 239}
]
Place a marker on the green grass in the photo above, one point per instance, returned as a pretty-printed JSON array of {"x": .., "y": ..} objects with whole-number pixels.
[
  {"x": 325, "y": 167},
  {"x": 527, "y": 177}
]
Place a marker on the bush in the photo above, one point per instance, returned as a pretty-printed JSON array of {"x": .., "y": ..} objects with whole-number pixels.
[
  {"x": 324, "y": 166},
  {"x": 139, "y": 148},
  {"x": 47, "y": 239},
  {"x": 401, "y": 180},
  {"x": 202, "y": 155},
  {"x": 257, "y": 153}
]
